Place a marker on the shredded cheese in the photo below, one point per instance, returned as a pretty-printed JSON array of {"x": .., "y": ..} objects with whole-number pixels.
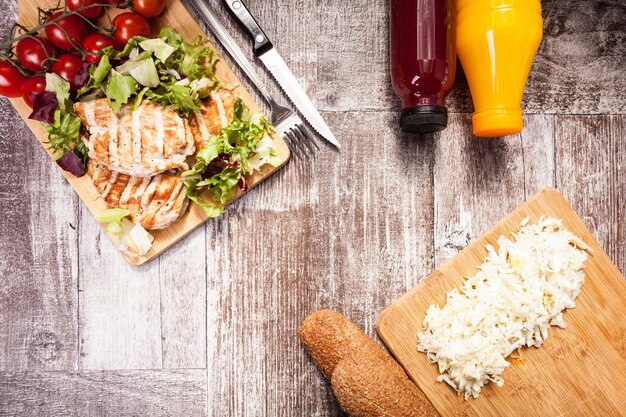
[{"x": 520, "y": 290}]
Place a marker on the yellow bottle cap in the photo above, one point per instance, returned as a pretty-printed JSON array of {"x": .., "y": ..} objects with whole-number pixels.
[{"x": 497, "y": 122}]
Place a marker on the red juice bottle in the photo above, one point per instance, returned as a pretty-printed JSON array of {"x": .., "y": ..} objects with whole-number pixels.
[{"x": 423, "y": 61}]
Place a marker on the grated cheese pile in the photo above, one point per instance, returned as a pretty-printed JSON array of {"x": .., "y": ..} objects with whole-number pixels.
[{"x": 520, "y": 290}]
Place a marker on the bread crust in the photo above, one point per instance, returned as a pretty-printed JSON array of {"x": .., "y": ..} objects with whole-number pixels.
[
  {"x": 371, "y": 387},
  {"x": 365, "y": 379},
  {"x": 329, "y": 337}
]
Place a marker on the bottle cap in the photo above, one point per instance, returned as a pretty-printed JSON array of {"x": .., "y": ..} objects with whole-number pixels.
[
  {"x": 497, "y": 122},
  {"x": 424, "y": 119}
]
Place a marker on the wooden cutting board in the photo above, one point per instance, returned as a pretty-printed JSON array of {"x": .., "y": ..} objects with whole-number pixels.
[
  {"x": 176, "y": 16},
  {"x": 579, "y": 371}
]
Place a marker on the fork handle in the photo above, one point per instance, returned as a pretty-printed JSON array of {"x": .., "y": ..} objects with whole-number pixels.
[{"x": 241, "y": 13}]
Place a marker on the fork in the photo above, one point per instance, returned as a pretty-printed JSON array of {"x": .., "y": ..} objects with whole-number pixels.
[{"x": 287, "y": 123}]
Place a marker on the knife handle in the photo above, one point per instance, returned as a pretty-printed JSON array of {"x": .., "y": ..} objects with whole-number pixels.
[{"x": 241, "y": 13}]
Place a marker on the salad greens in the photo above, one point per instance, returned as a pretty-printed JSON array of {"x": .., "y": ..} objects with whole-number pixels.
[
  {"x": 56, "y": 84},
  {"x": 113, "y": 217},
  {"x": 223, "y": 162},
  {"x": 119, "y": 89},
  {"x": 64, "y": 133},
  {"x": 165, "y": 70},
  {"x": 53, "y": 107}
]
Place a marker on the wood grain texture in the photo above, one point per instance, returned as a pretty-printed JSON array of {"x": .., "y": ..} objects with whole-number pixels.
[
  {"x": 38, "y": 262},
  {"x": 147, "y": 317},
  {"x": 182, "y": 294},
  {"x": 478, "y": 181},
  {"x": 119, "y": 305},
  {"x": 548, "y": 379},
  {"x": 351, "y": 231},
  {"x": 107, "y": 393},
  {"x": 592, "y": 174}
]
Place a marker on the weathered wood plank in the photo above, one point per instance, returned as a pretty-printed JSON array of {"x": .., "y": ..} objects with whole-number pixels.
[
  {"x": 350, "y": 231},
  {"x": 106, "y": 393},
  {"x": 119, "y": 314},
  {"x": 38, "y": 255},
  {"x": 478, "y": 181},
  {"x": 590, "y": 172},
  {"x": 579, "y": 67},
  {"x": 353, "y": 53},
  {"x": 183, "y": 302}
]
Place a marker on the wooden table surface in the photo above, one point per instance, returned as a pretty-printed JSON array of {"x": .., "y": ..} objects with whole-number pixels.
[{"x": 210, "y": 327}]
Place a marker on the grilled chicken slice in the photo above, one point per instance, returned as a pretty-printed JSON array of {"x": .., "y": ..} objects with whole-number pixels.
[
  {"x": 155, "y": 202},
  {"x": 215, "y": 113},
  {"x": 141, "y": 143}
]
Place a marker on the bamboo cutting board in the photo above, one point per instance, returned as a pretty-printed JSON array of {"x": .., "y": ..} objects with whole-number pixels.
[
  {"x": 579, "y": 371},
  {"x": 176, "y": 16}
]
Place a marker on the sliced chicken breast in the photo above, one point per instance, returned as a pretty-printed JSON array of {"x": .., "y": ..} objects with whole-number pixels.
[
  {"x": 144, "y": 142},
  {"x": 215, "y": 113},
  {"x": 155, "y": 202}
]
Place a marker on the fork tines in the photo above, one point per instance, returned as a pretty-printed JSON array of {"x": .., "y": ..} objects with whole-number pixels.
[{"x": 295, "y": 134}]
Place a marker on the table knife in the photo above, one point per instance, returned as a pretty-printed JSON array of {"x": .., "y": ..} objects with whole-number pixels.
[{"x": 266, "y": 52}]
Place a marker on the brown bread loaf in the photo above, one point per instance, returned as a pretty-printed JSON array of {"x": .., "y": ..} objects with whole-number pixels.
[
  {"x": 329, "y": 337},
  {"x": 367, "y": 386},
  {"x": 365, "y": 379}
]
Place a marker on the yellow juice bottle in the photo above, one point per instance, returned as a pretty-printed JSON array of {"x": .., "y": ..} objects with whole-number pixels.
[{"x": 496, "y": 42}]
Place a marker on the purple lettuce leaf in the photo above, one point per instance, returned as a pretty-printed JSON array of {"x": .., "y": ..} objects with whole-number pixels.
[
  {"x": 82, "y": 76},
  {"x": 44, "y": 106},
  {"x": 71, "y": 162}
]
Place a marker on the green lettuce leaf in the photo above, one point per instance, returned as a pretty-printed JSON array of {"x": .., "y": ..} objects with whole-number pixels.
[
  {"x": 151, "y": 66},
  {"x": 64, "y": 134},
  {"x": 60, "y": 87},
  {"x": 119, "y": 89},
  {"x": 178, "y": 96},
  {"x": 210, "y": 210},
  {"x": 114, "y": 218},
  {"x": 159, "y": 47},
  {"x": 195, "y": 61},
  {"x": 97, "y": 74},
  {"x": 265, "y": 153},
  {"x": 139, "y": 98},
  {"x": 171, "y": 37},
  {"x": 143, "y": 71},
  {"x": 222, "y": 163},
  {"x": 112, "y": 215},
  {"x": 124, "y": 53}
]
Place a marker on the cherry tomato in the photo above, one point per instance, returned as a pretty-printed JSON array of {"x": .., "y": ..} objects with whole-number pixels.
[
  {"x": 128, "y": 25},
  {"x": 11, "y": 79},
  {"x": 149, "y": 8},
  {"x": 35, "y": 53},
  {"x": 96, "y": 42},
  {"x": 34, "y": 84},
  {"x": 90, "y": 13},
  {"x": 75, "y": 27},
  {"x": 66, "y": 67}
]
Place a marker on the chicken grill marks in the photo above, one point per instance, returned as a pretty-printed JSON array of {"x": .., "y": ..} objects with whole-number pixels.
[
  {"x": 215, "y": 113},
  {"x": 141, "y": 143},
  {"x": 154, "y": 202},
  {"x": 136, "y": 156}
]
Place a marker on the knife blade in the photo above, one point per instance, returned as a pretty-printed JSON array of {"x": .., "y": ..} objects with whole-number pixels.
[{"x": 266, "y": 52}]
